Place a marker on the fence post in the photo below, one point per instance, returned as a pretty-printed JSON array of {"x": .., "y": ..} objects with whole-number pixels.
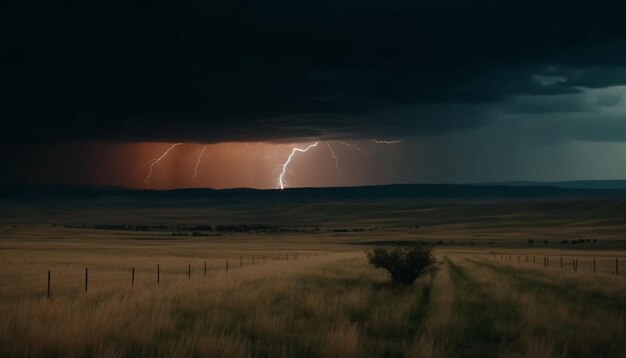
[
  {"x": 548, "y": 261},
  {"x": 561, "y": 262},
  {"x": 86, "y": 278},
  {"x": 204, "y": 267},
  {"x": 594, "y": 265},
  {"x": 226, "y": 265},
  {"x": 158, "y": 273},
  {"x": 132, "y": 280},
  {"x": 240, "y": 261},
  {"x": 48, "y": 284},
  {"x": 189, "y": 271},
  {"x": 616, "y": 267}
]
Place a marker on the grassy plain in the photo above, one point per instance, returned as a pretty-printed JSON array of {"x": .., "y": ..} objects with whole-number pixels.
[{"x": 309, "y": 291}]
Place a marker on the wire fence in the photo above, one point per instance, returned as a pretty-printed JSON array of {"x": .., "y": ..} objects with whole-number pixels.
[
  {"x": 607, "y": 265},
  {"x": 75, "y": 278}
]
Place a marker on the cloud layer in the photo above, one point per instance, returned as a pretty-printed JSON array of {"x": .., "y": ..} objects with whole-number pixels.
[{"x": 285, "y": 70}]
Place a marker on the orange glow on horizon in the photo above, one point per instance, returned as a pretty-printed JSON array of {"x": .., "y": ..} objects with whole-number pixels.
[{"x": 161, "y": 165}]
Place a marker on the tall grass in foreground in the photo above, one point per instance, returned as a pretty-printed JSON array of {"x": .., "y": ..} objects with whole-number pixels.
[
  {"x": 319, "y": 307},
  {"x": 335, "y": 306}
]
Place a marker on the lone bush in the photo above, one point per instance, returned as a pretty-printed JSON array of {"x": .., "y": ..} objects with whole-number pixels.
[{"x": 404, "y": 265}]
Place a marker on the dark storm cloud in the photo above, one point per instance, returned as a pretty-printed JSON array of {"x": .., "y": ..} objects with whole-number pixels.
[{"x": 238, "y": 70}]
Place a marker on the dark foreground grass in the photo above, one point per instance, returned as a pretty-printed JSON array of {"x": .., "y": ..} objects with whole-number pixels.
[
  {"x": 482, "y": 333},
  {"x": 329, "y": 306}
]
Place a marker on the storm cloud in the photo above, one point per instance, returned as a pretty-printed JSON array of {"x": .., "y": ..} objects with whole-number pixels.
[{"x": 284, "y": 70}]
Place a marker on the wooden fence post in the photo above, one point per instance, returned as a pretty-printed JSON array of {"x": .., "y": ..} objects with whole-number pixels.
[
  {"x": 204, "y": 267},
  {"x": 616, "y": 267},
  {"x": 594, "y": 265},
  {"x": 189, "y": 271},
  {"x": 158, "y": 273},
  {"x": 48, "y": 284},
  {"x": 561, "y": 262},
  {"x": 132, "y": 280},
  {"x": 226, "y": 265},
  {"x": 86, "y": 278}
]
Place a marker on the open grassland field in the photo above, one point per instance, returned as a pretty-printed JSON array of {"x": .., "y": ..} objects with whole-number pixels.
[{"x": 298, "y": 283}]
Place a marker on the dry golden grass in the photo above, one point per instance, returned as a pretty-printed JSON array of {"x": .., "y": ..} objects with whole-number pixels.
[
  {"x": 551, "y": 313},
  {"x": 317, "y": 306},
  {"x": 313, "y": 295}
]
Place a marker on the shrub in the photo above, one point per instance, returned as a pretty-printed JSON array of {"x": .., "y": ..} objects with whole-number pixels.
[{"x": 404, "y": 265}]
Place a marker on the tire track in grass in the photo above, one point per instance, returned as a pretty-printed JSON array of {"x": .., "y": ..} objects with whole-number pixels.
[
  {"x": 380, "y": 334},
  {"x": 477, "y": 313},
  {"x": 574, "y": 323},
  {"x": 433, "y": 338},
  {"x": 413, "y": 325},
  {"x": 564, "y": 290}
]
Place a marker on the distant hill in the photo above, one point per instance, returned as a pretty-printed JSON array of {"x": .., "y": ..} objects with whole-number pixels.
[
  {"x": 519, "y": 190},
  {"x": 575, "y": 184}
]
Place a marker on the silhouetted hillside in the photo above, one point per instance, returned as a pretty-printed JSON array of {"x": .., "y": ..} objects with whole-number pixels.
[
  {"x": 403, "y": 191},
  {"x": 575, "y": 184}
]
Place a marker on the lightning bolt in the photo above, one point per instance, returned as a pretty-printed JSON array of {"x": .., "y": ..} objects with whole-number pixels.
[
  {"x": 386, "y": 141},
  {"x": 195, "y": 173},
  {"x": 285, "y": 165},
  {"x": 332, "y": 153},
  {"x": 357, "y": 148},
  {"x": 155, "y": 161}
]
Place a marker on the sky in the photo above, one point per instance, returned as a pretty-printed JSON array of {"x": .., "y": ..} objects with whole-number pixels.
[{"x": 475, "y": 91}]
